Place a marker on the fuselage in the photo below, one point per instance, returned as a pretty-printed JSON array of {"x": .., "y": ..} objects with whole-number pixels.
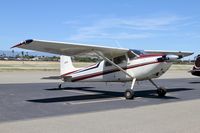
[{"x": 143, "y": 67}]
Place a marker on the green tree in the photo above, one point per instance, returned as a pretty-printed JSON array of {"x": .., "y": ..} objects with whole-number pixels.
[
  {"x": 13, "y": 53},
  {"x": 22, "y": 54}
]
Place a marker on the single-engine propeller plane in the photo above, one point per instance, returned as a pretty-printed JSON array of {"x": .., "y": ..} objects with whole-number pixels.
[{"x": 118, "y": 64}]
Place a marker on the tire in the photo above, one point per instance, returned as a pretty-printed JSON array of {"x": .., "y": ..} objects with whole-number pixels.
[
  {"x": 161, "y": 92},
  {"x": 129, "y": 94},
  {"x": 60, "y": 86}
]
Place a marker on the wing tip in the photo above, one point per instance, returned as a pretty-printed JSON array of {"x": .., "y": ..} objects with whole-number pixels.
[{"x": 23, "y": 43}]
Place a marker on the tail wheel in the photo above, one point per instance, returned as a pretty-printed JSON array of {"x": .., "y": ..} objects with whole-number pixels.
[
  {"x": 129, "y": 94},
  {"x": 60, "y": 86}
]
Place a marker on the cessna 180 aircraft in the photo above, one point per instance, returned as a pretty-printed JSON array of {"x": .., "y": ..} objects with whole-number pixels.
[
  {"x": 196, "y": 68},
  {"x": 118, "y": 64}
]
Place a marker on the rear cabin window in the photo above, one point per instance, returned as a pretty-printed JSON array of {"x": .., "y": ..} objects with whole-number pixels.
[
  {"x": 108, "y": 63},
  {"x": 120, "y": 59}
]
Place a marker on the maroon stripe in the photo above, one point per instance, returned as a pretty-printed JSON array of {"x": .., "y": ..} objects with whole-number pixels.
[
  {"x": 69, "y": 73},
  {"x": 17, "y": 45},
  {"x": 87, "y": 76},
  {"x": 149, "y": 55},
  {"x": 77, "y": 70},
  {"x": 108, "y": 72}
]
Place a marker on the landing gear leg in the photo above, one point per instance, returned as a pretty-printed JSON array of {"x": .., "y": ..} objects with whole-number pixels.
[
  {"x": 129, "y": 93},
  {"x": 60, "y": 86},
  {"x": 161, "y": 91}
]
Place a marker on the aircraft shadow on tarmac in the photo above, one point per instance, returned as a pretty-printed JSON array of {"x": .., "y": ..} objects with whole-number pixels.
[
  {"x": 195, "y": 82},
  {"x": 102, "y": 94}
]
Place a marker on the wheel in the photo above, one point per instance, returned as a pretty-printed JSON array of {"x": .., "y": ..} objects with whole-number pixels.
[
  {"x": 129, "y": 94},
  {"x": 161, "y": 91},
  {"x": 60, "y": 86}
]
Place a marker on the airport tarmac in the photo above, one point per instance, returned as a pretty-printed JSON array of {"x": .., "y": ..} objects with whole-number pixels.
[
  {"x": 16, "y": 77},
  {"x": 99, "y": 107}
]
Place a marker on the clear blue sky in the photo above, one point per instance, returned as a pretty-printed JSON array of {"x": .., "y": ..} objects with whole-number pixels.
[{"x": 136, "y": 24}]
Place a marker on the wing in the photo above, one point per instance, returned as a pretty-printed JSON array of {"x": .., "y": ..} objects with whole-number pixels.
[
  {"x": 69, "y": 49},
  {"x": 178, "y": 53}
]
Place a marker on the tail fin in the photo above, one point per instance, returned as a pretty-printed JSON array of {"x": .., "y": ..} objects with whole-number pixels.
[{"x": 66, "y": 65}]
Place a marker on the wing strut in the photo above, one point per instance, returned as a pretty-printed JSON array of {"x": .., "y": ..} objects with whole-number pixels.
[
  {"x": 129, "y": 93},
  {"x": 111, "y": 62}
]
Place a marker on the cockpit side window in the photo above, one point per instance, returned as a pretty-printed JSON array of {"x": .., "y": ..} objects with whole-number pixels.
[
  {"x": 130, "y": 55},
  {"x": 120, "y": 59},
  {"x": 138, "y": 52}
]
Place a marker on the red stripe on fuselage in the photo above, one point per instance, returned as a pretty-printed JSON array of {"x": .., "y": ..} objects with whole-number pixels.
[
  {"x": 77, "y": 70},
  {"x": 149, "y": 55},
  {"x": 69, "y": 73}
]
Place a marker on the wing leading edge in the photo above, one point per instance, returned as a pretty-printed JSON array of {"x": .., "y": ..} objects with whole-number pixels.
[
  {"x": 72, "y": 49},
  {"x": 69, "y": 49}
]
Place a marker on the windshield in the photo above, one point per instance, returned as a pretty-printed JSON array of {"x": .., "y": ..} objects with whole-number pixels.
[{"x": 138, "y": 52}]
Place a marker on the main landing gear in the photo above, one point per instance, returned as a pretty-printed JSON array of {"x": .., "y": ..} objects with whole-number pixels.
[
  {"x": 129, "y": 93},
  {"x": 161, "y": 91}
]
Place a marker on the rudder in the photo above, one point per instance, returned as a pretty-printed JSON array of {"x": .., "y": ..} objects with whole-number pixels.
[{"x": 66, "y": 65}]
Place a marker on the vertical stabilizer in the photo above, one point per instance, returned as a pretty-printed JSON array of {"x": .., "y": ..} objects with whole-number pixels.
[{"x": 66, "y": 65}]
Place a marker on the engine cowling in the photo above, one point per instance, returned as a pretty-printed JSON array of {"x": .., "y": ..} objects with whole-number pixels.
[
  {"x": 172, "y": 57},
  {"x": 169, "y": 58}
]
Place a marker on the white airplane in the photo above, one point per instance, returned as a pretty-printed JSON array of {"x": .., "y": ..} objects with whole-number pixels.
[{"x": 118, "y": 64}]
